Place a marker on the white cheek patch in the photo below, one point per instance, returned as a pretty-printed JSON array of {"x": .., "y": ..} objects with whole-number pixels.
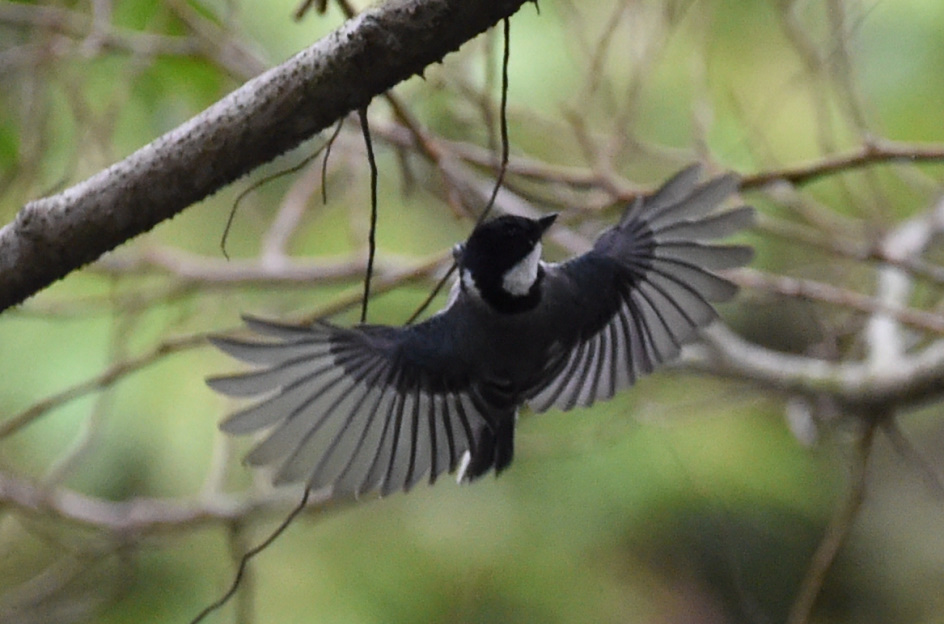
[
  {"x": 519, "y": 279},
  {"x": 469, "y": 283},
  {"x": 453, "y": 297}
]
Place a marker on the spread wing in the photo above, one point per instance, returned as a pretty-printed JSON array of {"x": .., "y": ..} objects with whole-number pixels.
[
  {"x": 643, "y": 290},
  {"x": 360, "y": 409}
]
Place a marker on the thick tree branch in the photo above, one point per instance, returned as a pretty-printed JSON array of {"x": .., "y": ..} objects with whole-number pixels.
[
  {"x": 856, "y": 386},
  {"x": 267, "y": 116}
]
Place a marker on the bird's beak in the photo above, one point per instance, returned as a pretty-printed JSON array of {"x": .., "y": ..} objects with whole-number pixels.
[
  {"x": 546, "y": 222},
  {"x": 457, "y": 250}
]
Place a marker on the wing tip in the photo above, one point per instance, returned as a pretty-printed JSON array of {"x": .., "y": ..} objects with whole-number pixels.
[{"x": 229, "y": 385}]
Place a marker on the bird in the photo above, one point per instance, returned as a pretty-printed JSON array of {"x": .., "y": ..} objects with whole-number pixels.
[{"x": 377, "y": 408}]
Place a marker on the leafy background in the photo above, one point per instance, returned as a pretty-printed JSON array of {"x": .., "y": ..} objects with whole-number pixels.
[{"x": 685, "y": 499}]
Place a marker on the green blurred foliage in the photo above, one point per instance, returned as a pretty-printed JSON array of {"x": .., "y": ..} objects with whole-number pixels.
[{"x": 683, "y": 500}]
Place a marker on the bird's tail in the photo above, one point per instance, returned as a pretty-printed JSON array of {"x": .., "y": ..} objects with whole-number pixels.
[{"x": 494, "y": 448}]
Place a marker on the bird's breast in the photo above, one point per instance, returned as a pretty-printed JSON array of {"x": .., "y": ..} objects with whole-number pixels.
[{"x": 509, "y": 349}]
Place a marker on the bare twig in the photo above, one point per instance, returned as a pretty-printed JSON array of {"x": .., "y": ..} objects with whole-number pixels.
[
  {"x": 78, "y": 26},
  {"x": 372, "y": 232},
  {"x": 270, "y": 269},
  {"x": 819, "y": 291},
  {"x": 257, "y": 184},
  {"x": 249, "y": 554},
  {"x": 847, "y": 247},
  {"x": 854, "y": 385},
  {"x": 873, "y": 153},
  {"x": 836, "y": 533},
  {"x": 502, "y": 121},
  {"x": 103, "y": 380},
  {"x": 140, "y": 515},
  {"x": 908, "y": 452}
]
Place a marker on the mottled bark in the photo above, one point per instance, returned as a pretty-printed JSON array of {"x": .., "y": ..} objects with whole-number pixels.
[{"x": 266, "y": 117}]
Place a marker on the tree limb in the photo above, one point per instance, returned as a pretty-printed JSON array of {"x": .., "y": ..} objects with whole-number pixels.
[
  {"x": 139, "y": 515},
  {"x": 856, "y": 386},
  {"x": 264, "y": 118}
]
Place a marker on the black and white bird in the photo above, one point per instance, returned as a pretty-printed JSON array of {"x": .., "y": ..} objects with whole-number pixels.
[{"x": 378, "y": 408}]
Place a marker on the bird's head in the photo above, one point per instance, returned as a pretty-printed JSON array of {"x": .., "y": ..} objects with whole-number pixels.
[{"x": 501, "y": 260}]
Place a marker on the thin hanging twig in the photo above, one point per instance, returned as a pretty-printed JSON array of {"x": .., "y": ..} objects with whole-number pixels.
[
  {"x": 502, "y": 122},
  {"x": 244, "y": 560},
  {"x": 266, "y": 180},
  {"x": 324, "y": 163},
  {"x": 503, "y": 125},
  {"x": 372, "y": 235}
]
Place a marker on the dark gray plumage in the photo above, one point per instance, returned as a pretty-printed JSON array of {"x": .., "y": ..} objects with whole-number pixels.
[{"x": 377, "y": 408}]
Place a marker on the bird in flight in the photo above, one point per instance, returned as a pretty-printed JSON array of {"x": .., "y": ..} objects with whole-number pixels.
[{"x": 378, "y": 408}]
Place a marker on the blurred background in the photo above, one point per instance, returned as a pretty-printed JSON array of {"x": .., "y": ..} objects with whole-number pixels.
[{"x": 693, "y": 497}]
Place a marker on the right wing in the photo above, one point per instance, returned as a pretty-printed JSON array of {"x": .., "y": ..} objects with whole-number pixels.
[
  {"x": 361, "y": 409},
  {"x": 643, "y": 290}
]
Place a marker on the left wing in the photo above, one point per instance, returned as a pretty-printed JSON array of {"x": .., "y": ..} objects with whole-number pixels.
[{"x": 363, "y": 408}]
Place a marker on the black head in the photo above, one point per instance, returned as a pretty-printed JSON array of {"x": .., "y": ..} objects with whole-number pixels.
[{"x": 500, "y": 260}]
